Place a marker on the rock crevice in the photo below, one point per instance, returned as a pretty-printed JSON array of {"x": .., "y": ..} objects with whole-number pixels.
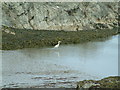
[{"x": 69, "y": 16}]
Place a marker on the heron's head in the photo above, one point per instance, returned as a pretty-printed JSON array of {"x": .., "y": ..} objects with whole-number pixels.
[{"x": 59, "y": 42}]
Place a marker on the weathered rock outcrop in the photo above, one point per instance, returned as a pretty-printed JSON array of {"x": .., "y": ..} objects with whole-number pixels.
[
  {"x": 112, "y": 82},
  {"x": 60, "y": 15}
]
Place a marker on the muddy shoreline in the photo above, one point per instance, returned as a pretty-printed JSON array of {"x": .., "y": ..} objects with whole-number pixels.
[
  {"x": 111, "y": 82},
  {"x": 13, "y": 39}
]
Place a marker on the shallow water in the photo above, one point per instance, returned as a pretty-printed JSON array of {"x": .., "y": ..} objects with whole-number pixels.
[{"x": 61, "y": 67}]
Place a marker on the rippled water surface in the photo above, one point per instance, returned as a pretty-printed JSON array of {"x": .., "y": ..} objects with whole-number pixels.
[{"x": 62, "y": 67}]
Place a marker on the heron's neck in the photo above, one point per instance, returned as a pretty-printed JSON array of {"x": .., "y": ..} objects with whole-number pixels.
[{"x": 58, "y": 43}]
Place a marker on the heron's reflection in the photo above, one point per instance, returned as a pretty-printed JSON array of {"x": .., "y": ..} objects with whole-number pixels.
[{"x": 57, "y": 53}]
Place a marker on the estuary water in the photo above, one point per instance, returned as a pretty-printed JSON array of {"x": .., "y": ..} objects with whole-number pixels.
[{"x": 62, "y": 67}]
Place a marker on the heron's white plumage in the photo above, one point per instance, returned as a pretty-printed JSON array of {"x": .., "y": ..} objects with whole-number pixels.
[{"x": 56, "y": 46}]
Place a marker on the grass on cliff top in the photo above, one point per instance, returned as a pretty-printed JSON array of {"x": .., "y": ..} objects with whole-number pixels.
[{"x": 43, "y": 38}]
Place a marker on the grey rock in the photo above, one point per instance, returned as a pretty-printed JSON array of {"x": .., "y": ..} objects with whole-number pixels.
[{"x": 69, "y": 16}]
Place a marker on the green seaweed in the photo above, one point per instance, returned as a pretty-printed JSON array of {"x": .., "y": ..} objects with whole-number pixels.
[
  {"x": 112, "y": 82},
  {"x": 26, "y": 38}
]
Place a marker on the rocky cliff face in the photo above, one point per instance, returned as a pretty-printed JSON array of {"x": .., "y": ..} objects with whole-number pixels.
[{"x": 60, "y": 15}]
